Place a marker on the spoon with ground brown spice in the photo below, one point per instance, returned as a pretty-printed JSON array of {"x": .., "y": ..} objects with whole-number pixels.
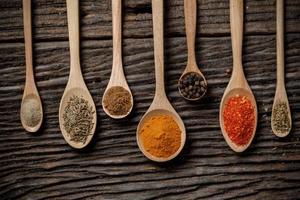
[
  {"x": 117, "y": 100},
  {"x": 31, "y": 107},
  {"x": 161, "y": 123}
]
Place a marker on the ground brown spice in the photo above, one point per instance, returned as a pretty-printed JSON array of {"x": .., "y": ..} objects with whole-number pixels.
[{"x": 117, "y": 101}]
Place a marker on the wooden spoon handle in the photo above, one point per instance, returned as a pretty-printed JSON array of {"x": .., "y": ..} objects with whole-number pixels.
[
  {"x": 190, "y": 13},
  {"x": 117, "y": 68},
  {"x": 280, "y": 42},
  {"x": 158, "y": 34},
  {"x": 28, "y": 42},
  {"x": 236, "y": 25},
  {"x": 117, "y": 31},
  {"x": 73, "y": 26}
]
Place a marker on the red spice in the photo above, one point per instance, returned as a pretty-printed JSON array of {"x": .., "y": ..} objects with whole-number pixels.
[{"x": 239, "y": 119}]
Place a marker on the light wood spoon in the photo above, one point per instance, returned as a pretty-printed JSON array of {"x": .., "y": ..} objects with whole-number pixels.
[
  {"x": 75, "y": 85},
  {"x": 31, "y": 107},
  {"x": 280, "y": 94},
  {"x": 190, "y": 13},
  {"x": 160, "y": 104},
  {"x": 117, "y": 77},
  {"x": 238, "y": 84}
]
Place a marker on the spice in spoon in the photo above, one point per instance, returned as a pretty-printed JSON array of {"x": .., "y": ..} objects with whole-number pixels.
[
  {"x": 280, "y": 118},
  {"x": 239, "y": 119},
  {"x": 78, "y": 119},
  {"x": 160, "y": 136},
  {"x": 117, "y": 101},
  {"x": 192, "y": 86},
  {"x": 31, "y": 111}
]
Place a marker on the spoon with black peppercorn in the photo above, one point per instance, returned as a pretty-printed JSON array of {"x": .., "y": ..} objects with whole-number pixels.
[
  {"x": 192, "y": 84},
  {"x": 117, "y": 100},
  {"x": 160, "y": 104},
  {"x": 77, "y": 111},
  {"x": 31, "y": 107},
  {"x": 281, "y": 121},
  {"x": 238, "y": 84}
]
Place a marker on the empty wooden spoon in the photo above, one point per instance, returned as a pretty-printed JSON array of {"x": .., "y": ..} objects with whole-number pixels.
[
  {"x": 77, "y": 112},
  {"x": 238, "y": 84},
  {"x": 160, "y": 104},
  {"x": 198, "y": 85},
  {"x": 284, "y": 121},
  {"x": 31, "y": 107},
  {"x": 117, "y": 78}
]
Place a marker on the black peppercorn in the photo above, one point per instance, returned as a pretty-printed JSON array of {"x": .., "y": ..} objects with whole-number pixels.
[{"x": 192, "y": 86}]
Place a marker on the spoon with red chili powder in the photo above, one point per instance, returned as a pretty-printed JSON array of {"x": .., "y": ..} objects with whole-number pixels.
[{"x": 238, "y": 110}]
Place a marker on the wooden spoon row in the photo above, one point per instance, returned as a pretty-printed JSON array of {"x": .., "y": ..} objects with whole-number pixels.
[{"x": 160, "y": 105}]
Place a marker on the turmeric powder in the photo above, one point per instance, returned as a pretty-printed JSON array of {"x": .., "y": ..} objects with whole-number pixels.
[{"x": 161, "y": 136}]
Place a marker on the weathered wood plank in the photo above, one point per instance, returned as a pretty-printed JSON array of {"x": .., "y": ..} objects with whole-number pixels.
[
  {"x": 50, "y": 21},
  {"x": 43, "y": 166}
]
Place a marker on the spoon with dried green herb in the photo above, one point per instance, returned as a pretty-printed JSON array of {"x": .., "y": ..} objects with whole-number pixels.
[
  {"x": 281, "y": 121},
  {"x": 77, "y": 111},
  {"x": 31, "y": 107}
]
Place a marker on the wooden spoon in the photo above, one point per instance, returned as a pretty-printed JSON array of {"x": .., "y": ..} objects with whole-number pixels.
[
  {"x": 160, "y": 104},
  {"x": 75, "y": 85},
  {"x": 238, "y": 84},
  {"x": 190, "y": 12},
  {"x": 31, "y": 107},
  {"x": 117, "y": 77},
  {"x": 280, "y": 94}
]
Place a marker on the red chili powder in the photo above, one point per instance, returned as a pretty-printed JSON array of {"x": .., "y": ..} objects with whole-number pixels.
[{"x": 239, "y": 119}]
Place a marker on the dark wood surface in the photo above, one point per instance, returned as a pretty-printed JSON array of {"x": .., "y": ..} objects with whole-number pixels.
[{"x": 43, "y": 166}]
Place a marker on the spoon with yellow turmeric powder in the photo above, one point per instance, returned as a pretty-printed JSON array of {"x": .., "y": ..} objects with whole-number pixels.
[{"x": 161, "y": 132}]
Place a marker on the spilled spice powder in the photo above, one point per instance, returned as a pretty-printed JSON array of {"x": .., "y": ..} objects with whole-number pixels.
[
  {"x": 117, "y": 101},
  {"x": 280, "y": 118},
  {"x": 161, "y": 136},
  {"x": 239, "y": 119}
]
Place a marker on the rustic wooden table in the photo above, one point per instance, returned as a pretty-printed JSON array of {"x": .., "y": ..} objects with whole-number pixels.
[{"x": 43, "y": 166}]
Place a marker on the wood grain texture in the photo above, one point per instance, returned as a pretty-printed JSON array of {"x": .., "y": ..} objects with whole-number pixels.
[
  {"x": 50, "y": 18},
  {"x": 43, "y": 166}
]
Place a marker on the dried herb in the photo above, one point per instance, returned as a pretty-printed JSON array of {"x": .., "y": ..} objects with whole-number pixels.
[
  {"x": 192, "y": 86},
  {"x": 117, "y": 101},
  {"x": 78, "y": 119},
  {"x": 31, "y": 112},
  {"x": 280, "y": 118},
  {"x": 239, "y": 119}
]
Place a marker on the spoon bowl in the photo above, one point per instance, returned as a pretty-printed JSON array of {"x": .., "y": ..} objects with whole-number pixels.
[
  {"x": 84, "y": 94},
  {"x": 199, "y": 73},
  {"x": 231, "y": 93},
  {"x": 31, "y": 112},
  {"x": 106, "y": 110},
  {"x": 157, "y": 112}
]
